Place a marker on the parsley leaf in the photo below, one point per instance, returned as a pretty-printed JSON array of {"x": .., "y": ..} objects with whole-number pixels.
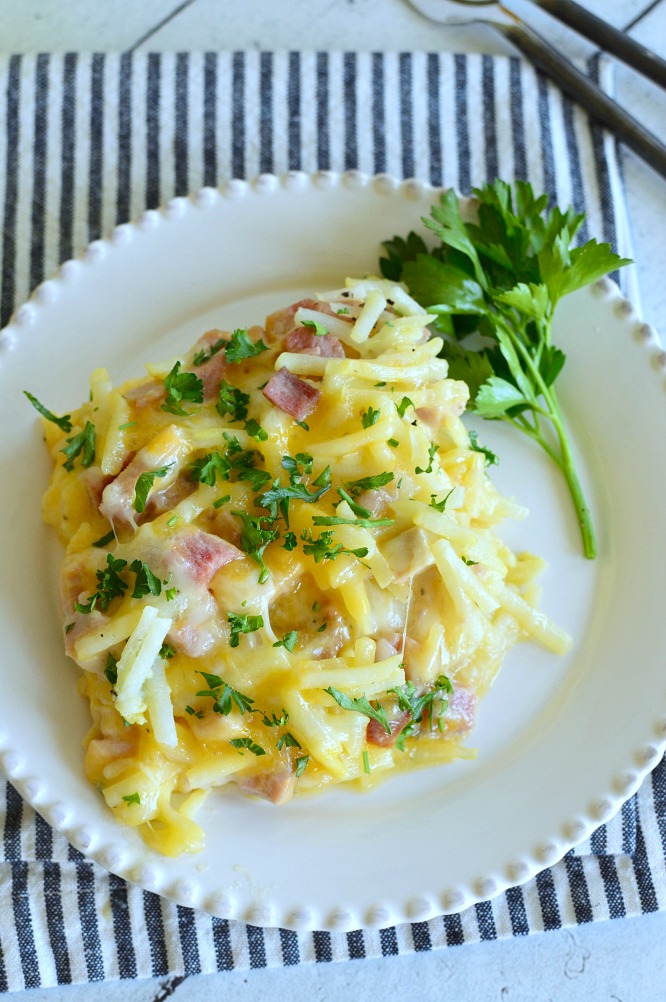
[
  {"x": 167, "y": 651},
  {"x": 204, "y": 355},
  {"x": 247, "y": 743},
  {"x": 323, "y": 548},
  {"x": 255, "y": 538},
  {"x": 491, "y": 458},
  {"x": 146, "y": 582},
  {"x": 440, "y": 505},
  {"x": 64, "y": 422},
  {"x": 111, "y": 670},
  {"x": 356, "y": 487},
  {"x": 242, "y": 624},
  {"x": 83, "y": 443},
  {"x": 339, "y": 520},
  {"x": 432, "y": 451},
  {"x": 317, "y": 328},
  {"x": 231, "y": 400},
  {"x": 361, "y": 705},
  {"x": 133, "y": 798},
  {"x": 301, "y": 765},
  {"x": 289, "y": 641},
  {"x": 287, "y": 740},
  {"x": 403, "y": 405},
  {"x": 254, "y": 430},
  {"x": 240, "y": 346},
  {"x": 208, "y": 468},
  {"x": 109, "y": 586},
  {"x": 370, "y": 417},
  {"x": 143, "y": 485},
  {"x": 181, "y": 386},
  {"x": 225, "y": 696},
  {"x": 104, "y": 540}
]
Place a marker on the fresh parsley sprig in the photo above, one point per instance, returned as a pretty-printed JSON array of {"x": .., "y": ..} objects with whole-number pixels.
[
  {"x": 64, "y": 422},
  {"x": 181, "y": 386},
  {"x": 503, "y": 277}
]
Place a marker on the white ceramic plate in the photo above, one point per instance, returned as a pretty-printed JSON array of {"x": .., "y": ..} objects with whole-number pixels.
[{"x": 561, "y": 742}]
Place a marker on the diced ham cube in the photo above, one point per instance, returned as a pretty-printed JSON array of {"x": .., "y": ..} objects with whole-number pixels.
[
  {"x": 282, "y": 321},
  {"x": 291, "y": 394},
  {"x": 306, "y": 342},
  {"x": 95, "y": 482},
  {"x": 278, "y": 787},
  {"x": 461, "y": 710},
  {"x": 145, "y": 394},
  {"x": 212, "y": 369},
  {"x": 376, "y": 733},
  {"x": 198, "y": 556}
]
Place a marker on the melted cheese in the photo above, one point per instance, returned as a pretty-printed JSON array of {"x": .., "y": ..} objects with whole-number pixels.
[{"x": 222, "y": 656}]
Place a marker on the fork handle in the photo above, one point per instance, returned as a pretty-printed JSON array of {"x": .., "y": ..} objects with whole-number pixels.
[
  {"x": 601, "y": 107},
  {"x": 608, "y": 38}
]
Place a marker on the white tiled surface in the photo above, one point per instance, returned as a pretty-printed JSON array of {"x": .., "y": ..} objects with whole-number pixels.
[{"x": 621, "y": 960}]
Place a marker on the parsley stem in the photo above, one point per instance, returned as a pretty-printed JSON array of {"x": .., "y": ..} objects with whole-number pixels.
[{"x": 565, "y": 458}]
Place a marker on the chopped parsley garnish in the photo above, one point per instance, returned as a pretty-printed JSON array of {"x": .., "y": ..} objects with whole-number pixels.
[
  {"x": 104, "y": 540},
  {"x": 361, "y": 705},
  {"x": 167, "y": 651},
  {"x": 291, "y": 464},
  {"x": 280, "y": 496},
  {"x": 440, "y": 505},
  {"x": 303, "y": 425},
  {"x": 287, "y": 740},
  {"x": 208, "y": 468},
  {"x": 393, "y": 442},
  {"x": 146, "y": 583},
  {"x": 361, "y": 522},
  {"x": 366, "y": 763},
  {"x": 111, "y": 669},
  {"x": 242, "y": 624},
  {"x": 221, "y": 501},
  {"x": 254, "y": 430},
  {"x": 225, "y": 696},
  {"x": 126, "y": 425},
  {"x": 469, "y": 563},
  {"x": 290, "y": 541},
  {"x": 317, "y": 328},
  {"x": 247, "y": 743},
  {"x": 240, "y": 346},
  {"x": 432, "y": 451},
  {"x": 403, "y": 405},
  {"x": 416, "y": 705},
  {"x": 172, "y": 521},
  {"x": 232, "y": 401},
  {"x": 84, "y": 444},
  {"x": 475, "y": 446},
  {"x": 323, "y": 548},
  {"x": 205, "y": 355},
  {"x": 193, "y": 713},
  {"x": 170, "y": 594},
  {"x": 289, "y": 641},
  {"x": 109, "y": 586},
  {"x": 370, "y": 417},
  {"x": 64, "y": 422},
  {"x": 181, "y": 387},
  {"x": 356, "y": 487},
  {"x": 343, "y": 310},
  {"x": 255, "y": 538},
  {"x": 133, "y": 798},
  {"x": 143, "y": 485},
  {"x": 301, "y": 765},
  {"x": 356, "y": 508},
  {"x": 274, "y": 721},
  {"x": 382, "y": 382}
]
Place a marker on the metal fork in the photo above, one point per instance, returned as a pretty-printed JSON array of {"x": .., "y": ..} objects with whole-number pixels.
[
  {"x": 594, "y": 28},
  {"x": 570, "y": 79}
]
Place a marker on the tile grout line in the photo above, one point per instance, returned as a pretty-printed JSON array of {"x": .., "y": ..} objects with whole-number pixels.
[{"x": 160, "y": 24}]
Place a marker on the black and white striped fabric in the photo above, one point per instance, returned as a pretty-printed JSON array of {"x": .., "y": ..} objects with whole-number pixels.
[{"x": 90, "y": 141}]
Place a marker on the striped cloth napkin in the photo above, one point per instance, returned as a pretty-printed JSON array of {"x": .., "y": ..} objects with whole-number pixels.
[{"x": 89, "y": 141}]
